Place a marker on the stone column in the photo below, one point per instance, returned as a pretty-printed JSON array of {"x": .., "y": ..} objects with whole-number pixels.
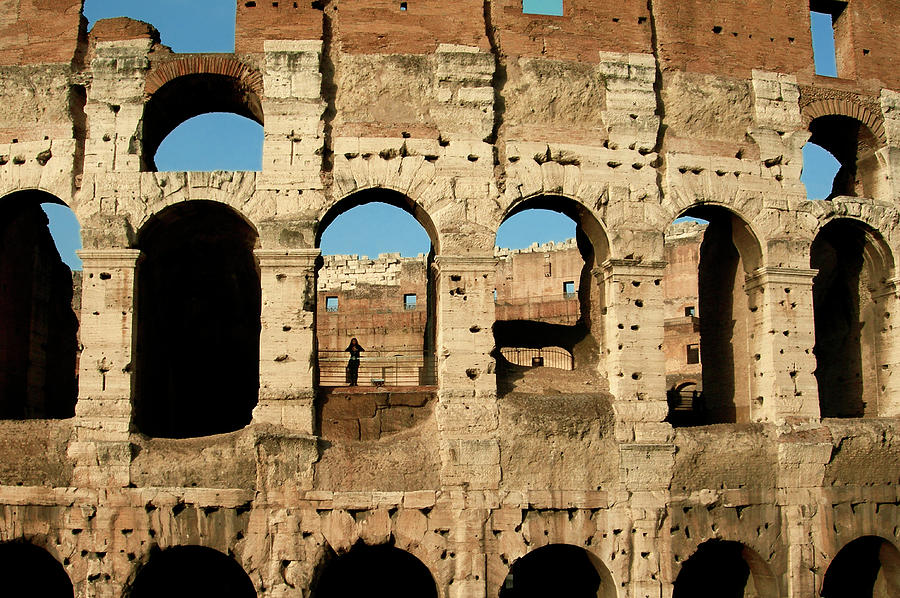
[
  {"x": 781, "y": 339},
  {"x": 886, "y": 349},
  {"x": 633, "y": 345},
  {"x": 287, "y": 354},
  {"x": 801, "y": 473},
  {"x": 466, "y": 413},
  {"x": 100, "y": 446}
]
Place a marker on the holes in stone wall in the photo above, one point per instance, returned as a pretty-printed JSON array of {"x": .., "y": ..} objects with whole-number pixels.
[
  {"x": 38, "y": 344},
  {"x": 381, "y": 570},
  {"x": 189, "y": 571},
  {"x": 198, "y": 322}
]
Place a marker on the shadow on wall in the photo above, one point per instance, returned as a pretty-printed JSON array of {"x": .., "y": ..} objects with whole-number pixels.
[
  {"x": 38, "y": 344},
  {"x": 198, "y": 322},
  {"x": 381, "y": 570}
]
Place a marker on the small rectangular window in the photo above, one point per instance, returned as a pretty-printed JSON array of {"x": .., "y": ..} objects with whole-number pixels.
[
  {"x": 403, "y": 6},
  {"x": 693, "y": 353},
  {"x": 331, "y": 303},
  {"x": 569, "y": 289},
  {"x": 689, "y": 311},
  {"x": 495, "y": 295},
  {"x": 553, "y": 8},
  {"x": 409, "y": 301}
]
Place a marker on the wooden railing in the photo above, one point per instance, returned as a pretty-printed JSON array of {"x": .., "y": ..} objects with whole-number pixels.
[
  {"x": 550, "y": 357},
  {"x": 378, "y": 368}
]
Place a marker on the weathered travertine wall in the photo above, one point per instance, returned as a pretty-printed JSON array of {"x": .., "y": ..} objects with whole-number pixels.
[{"x": 624, "y": 117}]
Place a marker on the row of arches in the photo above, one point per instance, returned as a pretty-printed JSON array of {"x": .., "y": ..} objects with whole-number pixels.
[
  {"x": 199, "y": 306},
  {"x": 868, "y": 567}
]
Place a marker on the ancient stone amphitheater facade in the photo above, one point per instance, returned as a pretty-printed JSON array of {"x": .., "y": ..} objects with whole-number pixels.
[{"x": 194, "y": 448}]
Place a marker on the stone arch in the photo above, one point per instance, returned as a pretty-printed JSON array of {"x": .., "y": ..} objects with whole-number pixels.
[
  {"x": 196, "y": 92},
  {"x": 186, "y": 571},
  {"x": 381, "y": 194},
  {"x": 197, "y": 321},
  {"x": 30, "y": 570},
  {"x": 581, "y": 340},
  {"x": 395, "y": 331},
  {"x": 559, "y": 570},
  {"x": 730, "y": 252},
  {"x": 727, "y": 569},
  {"x": 853, "y": 135},
  {"x": 378, "y": 570},
  {"x": 845, "y": 107},
  {"x": 593, "y": 228},
  {"x": 867, "y": 567},
  {"x": 853, "y": 297},
  {"x": 39, "y": 343}
]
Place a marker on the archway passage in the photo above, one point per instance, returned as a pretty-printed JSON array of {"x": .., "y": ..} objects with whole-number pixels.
[
  {"x": 558, "y": 570},
  {"x": 376, "y": 284},
  {"x": 28, "y": 570},
  {"x": 375, "y": 571},
  {"x": 868, "y": 567},
  {"x": 850, "y": 259},
  {"x": 547, "y": 295},
  {"x": 191, "y": 571},
  {"x": 188, "y": 96},
  {"x": 726, "y": 570},
  {"x": 854, "y": 145},
  {"x": 198, "y": 322},
  {"x": 38, "y": 326},
  {"x": 709, "y": 304}
]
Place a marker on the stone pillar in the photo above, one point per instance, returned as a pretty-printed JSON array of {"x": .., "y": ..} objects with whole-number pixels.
[
  {"x": 467, "y": 414},
  {"x": 633, "y": 345},
  {"x": 115, "y": 106},
  {"x": 287, "y": 344},
  {"x": 886, "y": 349},
  {"x": 801, "y": 473},
  {"x": 636, "y": 367},
  {"x": 781, "y": 339},
  {"x": 100, "y": 446}
]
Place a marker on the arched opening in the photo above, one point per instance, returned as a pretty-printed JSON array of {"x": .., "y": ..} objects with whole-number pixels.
[
  {"x": 868, "y": 567},
  {"x": 851, "y": 302},
  {"x": 547, "y": 296},
  {"x": 38, "y": 324},
  {"x": 727, "y": 570},
  {"x": 188, "y": 96},
  {"x": 215, "y": 141},
  {"x": 385, "y": 300},
  {"x": 710, "y": 251},
  {"x": 198, "y": 322},
  {"x": 381, "y": 570},
  {"x": 29, "y": 570},
  {"x": 558, "y": 570},
  {"x": 853, "y": 145},
  {"x": 190, "y": 571}
]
